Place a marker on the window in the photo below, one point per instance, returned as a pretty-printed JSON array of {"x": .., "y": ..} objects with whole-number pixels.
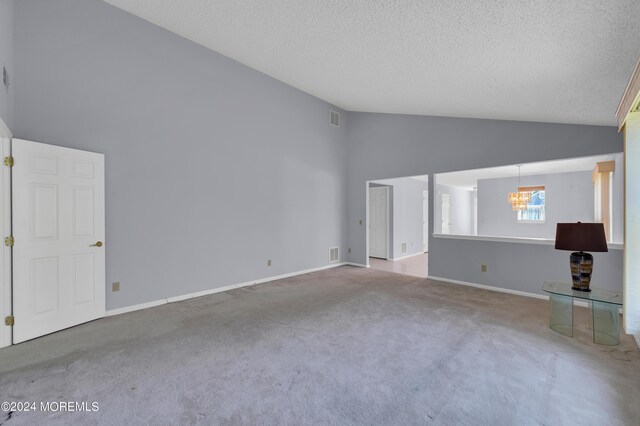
[{"x": 535, "y": 209}]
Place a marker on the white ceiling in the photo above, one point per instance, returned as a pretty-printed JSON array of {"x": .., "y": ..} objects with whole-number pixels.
[
  {"x": 545, "y": 60},
  {"x": 468, "y": 179}
]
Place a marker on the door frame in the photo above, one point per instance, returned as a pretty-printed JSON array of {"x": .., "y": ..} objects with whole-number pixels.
[
  {"x": 6, "y": 296},
  {"x": 425, "y": 224},
  {"x": 388, "y": 221}
]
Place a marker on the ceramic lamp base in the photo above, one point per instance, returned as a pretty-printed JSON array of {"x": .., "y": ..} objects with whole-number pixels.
[{"x": 581, "y": 268}]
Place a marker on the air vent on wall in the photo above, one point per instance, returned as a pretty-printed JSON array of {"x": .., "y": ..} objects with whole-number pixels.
[
  {"x": 404, "y": 247},
  {"x": 334, "y": 254},
  {"x": 335, "y": 118}
]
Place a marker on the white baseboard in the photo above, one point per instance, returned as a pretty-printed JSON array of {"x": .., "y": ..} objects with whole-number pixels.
[
  {"x": 172, "y": 299},
  {"x": 407, "y": 256},
  {"x": 126, "y": 309},
  {"x": 502, "y": 290},
  {"x": 488, "y": 287},
  {"x": 360, "y": 265}
]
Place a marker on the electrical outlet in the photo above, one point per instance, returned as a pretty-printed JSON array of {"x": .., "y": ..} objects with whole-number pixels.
[
  {"x": 269, "y": 262},
  {"x": 483, "y": 268},
  {"x": 349, "y": 250},
  {"x": 360, "y": 221},
  {"x": 115, "y": 286}
]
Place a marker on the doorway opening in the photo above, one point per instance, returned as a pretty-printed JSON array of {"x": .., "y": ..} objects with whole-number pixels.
[{"x": 398, "y": 225}]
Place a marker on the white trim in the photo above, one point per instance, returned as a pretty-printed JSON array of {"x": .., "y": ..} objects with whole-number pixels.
[
  {"x": 631, "y": 268},
  {"x": 5, "y": 225},
  {"x": 132, "y": 308},
  {"x": 503, "y": 290},
  {"x": 520, "y": 240},
  {"x": 359, "y": 265},
  {"x": 629, "y": 97},
  {"x": 407, "y": 256},
  {"x": 488, "y": 287},
  {"x": 181, "y": 297}
]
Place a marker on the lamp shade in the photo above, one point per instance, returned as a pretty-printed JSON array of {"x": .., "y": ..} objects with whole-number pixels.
[{"x": 581, "y": 237}]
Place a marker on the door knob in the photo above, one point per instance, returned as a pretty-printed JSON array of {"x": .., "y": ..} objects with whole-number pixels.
[{"x": 98, "y": 244}]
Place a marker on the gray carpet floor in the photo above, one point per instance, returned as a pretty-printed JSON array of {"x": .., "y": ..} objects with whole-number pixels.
[{"x": 341, "y": 346}]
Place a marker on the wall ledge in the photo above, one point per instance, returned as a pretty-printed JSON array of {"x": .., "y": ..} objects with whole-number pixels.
[{"x": 520, "y": 240}]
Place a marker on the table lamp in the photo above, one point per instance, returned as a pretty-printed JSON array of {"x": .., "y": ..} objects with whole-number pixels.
[{"x": 579, "y": 238}]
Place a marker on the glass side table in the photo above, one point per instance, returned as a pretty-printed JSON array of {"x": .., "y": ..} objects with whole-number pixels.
[{"x": 604, "y": 306}]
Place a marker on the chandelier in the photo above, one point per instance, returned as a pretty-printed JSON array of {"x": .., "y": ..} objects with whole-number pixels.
[{"x": 519, "y": 200}]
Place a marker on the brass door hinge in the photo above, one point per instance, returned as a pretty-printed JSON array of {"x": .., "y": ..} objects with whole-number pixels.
[
  {"x": 9, "y": 241},
  {"x": 8, "y": 161},
  {"x": 10, "y": 320}
]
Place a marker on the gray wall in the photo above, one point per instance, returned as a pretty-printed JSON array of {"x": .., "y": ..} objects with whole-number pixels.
[
  {"x": 406, "y": 214},
  {"x": 568, "y": 198},
  {"x": 386, "y": 146},
  {"x": 516, "y": 266},
  {"x": 6, "y": 60},
  {"x": 460, "y": 210},
  {"x": 211, "y": 167}
]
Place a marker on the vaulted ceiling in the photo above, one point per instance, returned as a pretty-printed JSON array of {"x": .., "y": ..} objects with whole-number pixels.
[{"x": 546, "y": 60}]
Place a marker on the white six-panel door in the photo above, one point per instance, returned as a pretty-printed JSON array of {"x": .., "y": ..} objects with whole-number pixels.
[
  {"x": 58, "y": 226},
  {"x": 379, "y": 221}
]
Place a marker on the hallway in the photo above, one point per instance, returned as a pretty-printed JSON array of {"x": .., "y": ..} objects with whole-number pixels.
[{"x": 416, "y": 266}]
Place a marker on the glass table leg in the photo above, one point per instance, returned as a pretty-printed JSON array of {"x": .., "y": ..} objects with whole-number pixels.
[
  {"x": 606, "y": 323},
  {"x": 561, "y": 314}
]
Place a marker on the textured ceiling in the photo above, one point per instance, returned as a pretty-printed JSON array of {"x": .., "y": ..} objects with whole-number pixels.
[{"x": 562, "y": 61}]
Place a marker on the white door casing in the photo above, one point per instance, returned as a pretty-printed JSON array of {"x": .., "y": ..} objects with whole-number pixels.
[
  {"x": 379, "y": 222},
  {"x": 5, "y": 225},
  {"x": 425, "y": 221},
  {"x": 58, "y": 211},
  {"x": 445, "y": 216}
]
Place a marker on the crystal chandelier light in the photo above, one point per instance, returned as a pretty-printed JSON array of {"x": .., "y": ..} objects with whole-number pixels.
[{"x": 519, "y": 200}]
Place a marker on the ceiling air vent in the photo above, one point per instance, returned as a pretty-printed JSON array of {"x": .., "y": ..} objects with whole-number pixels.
[
  {"x": 334, "y": 254},
  {"x": 335, "y": 118}
]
